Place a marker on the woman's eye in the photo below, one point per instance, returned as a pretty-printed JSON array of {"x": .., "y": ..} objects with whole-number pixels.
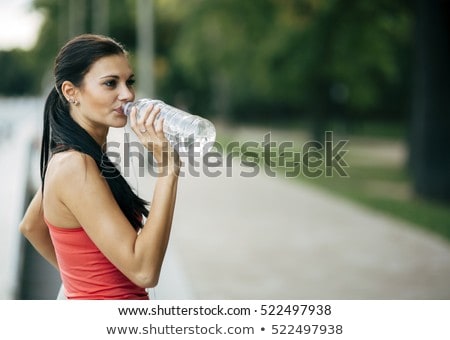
[
  {"x": 131, "y": 82},
  {"x": 110, "y": 83}
]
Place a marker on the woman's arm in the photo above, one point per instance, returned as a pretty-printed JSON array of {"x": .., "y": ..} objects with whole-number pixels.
[
  {"x": 83, "y": 190},
  {"x": 33, "y": 227}
]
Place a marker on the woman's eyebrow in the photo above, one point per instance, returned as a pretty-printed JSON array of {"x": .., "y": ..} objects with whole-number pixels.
[
  {"x": 110, "y": 76},
  {"x": 115, "y": 76}
]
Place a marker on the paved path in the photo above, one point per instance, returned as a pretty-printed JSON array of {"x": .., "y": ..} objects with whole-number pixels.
[{"x": 270, "y": 238}]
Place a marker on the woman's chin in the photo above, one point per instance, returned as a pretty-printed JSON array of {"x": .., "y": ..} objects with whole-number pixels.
[{"x": 119, "y": 121}]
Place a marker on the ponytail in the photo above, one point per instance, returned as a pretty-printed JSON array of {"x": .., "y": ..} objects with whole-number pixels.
[{"x": 51, "y": 105}]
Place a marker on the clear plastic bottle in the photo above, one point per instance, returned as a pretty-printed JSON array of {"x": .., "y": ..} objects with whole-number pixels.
[{"x": 182, "y": 129}]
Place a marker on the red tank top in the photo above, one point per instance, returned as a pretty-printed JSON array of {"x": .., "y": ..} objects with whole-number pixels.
[{"x": 85, "y": 272}]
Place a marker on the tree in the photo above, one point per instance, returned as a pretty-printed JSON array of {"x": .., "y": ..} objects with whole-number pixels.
[
  {"x": 279, "y": 60},
  {"x": 16, "y": 80},
  {"x": 430, "y": 137},
  {"x": 262, "y": 60}
]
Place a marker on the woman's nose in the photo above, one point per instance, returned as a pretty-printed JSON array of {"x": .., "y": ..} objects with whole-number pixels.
[{"x": 126, "y": 93}]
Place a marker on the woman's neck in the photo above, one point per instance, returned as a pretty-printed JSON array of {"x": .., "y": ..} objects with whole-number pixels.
[{"x": 98, "y": 132}]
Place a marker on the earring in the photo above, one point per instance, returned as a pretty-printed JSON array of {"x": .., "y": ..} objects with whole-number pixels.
[{"x": 73, "y": 101}]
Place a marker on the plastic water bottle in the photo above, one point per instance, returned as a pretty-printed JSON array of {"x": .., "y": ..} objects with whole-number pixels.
[{"x": 182, "y": 129}]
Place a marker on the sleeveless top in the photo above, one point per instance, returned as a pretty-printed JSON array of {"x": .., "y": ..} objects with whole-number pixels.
[{"x": 85, "y": 272}]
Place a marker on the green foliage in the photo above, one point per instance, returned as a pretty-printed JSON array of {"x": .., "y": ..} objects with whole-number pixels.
[
  {"x": 265, "y": 60},
  {"x": 122, "y": 17},
  {"x": 16, "y": 69},
  {"x": 277, "y": 59}
]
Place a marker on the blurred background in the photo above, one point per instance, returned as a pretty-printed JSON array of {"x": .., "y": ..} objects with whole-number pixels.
[{"x": 375, "y": 73}]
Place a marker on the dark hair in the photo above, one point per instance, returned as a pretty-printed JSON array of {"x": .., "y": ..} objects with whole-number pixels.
[{"x": 61, "y": 132}]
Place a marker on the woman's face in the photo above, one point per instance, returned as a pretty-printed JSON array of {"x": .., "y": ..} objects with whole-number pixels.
[{"x": 105, "y": 88}]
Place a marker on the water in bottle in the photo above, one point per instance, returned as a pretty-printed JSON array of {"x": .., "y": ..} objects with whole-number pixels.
[{"x": 182, "y": 129}]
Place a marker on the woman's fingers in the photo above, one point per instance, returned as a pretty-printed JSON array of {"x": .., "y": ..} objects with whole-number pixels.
[
  {"x": 149, "y": 123},
  {"x": 142, "y": 121},
  {"x": 145, "y": 122},
  {"x": 133, "y": 122},
  {"x": 137, "y": 123},
  {"x": 159, "y": 127},
  {"x": 149, "y": 127}
]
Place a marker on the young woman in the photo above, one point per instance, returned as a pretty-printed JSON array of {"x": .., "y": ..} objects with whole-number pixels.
[{"x": 85, "y": 219}]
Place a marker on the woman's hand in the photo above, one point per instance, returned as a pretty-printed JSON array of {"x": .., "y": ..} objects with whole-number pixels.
[{"x": 149, "y": 129}]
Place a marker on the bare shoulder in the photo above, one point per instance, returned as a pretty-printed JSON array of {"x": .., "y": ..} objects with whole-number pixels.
[
  {"x": 72, "y": 163},
  {"x": 73, "y": 174}
]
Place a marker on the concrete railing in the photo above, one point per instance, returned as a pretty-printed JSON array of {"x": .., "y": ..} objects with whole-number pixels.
[{"x": 21, "y": 266}]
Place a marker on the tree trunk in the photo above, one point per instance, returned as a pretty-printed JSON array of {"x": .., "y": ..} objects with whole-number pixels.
[{"x": 430, "y": 134}]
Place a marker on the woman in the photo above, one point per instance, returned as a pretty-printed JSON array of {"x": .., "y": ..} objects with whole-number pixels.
[{"x": 85, "y": 220}]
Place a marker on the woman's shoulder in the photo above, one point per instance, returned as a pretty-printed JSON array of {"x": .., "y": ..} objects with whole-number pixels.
[
  {"x": 71, "y": 163},
  {"x": 71, "y": 176}
]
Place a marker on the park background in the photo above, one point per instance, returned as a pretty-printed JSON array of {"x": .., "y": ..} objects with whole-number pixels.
[{"x": 375, "y": 73}]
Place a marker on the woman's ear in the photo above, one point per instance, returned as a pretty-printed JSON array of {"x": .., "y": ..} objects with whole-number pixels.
[{"x": 69, "y": 91}]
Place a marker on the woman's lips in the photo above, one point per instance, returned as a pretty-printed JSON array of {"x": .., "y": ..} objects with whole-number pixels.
[{"x": 120, "y": 110}]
